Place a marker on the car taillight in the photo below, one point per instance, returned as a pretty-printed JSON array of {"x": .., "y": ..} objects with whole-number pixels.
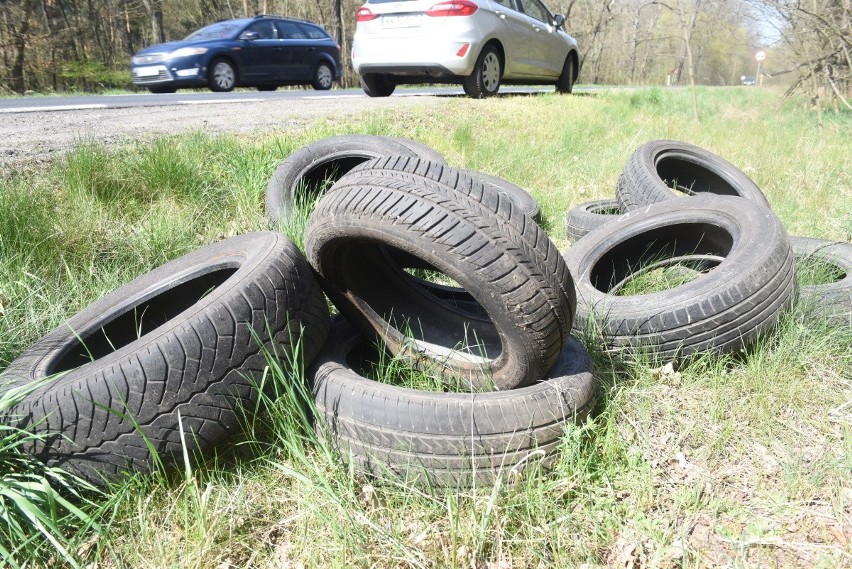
[
  {"x": 364, "y": 14},
  {"x": 457, "y": 8}
]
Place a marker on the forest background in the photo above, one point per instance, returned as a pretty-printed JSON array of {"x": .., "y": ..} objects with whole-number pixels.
[{"x": 85, "y": 45}]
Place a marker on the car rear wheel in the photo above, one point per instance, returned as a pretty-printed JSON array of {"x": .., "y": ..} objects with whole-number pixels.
[
  {"x": 223, "y": 76},
  {"x": 485, "y": 79},
  {"x": 323, "y": 77},
  {"x": 565, "y": 83},
  {"x": 377, "y": 85}
]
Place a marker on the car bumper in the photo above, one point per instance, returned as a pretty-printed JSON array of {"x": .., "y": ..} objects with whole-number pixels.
[
  {"x": 169, "y": 73},
  {"x": 415, "y": 56}
]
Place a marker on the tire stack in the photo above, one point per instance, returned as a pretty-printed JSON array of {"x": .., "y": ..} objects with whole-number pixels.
[
  {"x": 498, "y": 338},
  {"x": 724, "y": 231},
  {"x": 165, "y": 365}
]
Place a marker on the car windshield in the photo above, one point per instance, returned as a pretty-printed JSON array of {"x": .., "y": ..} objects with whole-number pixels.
[{"x": 217, "y": 31}]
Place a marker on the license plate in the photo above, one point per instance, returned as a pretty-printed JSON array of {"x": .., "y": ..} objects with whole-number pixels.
[
  {"x": 401, "y": 21},
  {"x": 150, "y": 71}
]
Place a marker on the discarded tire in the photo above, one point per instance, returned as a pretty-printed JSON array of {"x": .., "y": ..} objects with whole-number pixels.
[
  {"x": 658, "y": 166},
  {"x": 829, "y": 301},
  {"x": 741, "y": 249},
  {"x": 444, "y": 439},
  {"x": 590, "y": 215},
  {"x": 306, "y": 173},
  {"x": 173, "y": 349},
  {"x": 470, "y": 233},
  {"x": 439, "y": 172}
]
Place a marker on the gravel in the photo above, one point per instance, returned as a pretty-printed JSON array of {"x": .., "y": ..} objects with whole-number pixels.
[{"x": 33, "y": 138}]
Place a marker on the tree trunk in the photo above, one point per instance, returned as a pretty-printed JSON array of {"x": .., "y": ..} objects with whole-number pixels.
[{"x": 20, "y": 33}]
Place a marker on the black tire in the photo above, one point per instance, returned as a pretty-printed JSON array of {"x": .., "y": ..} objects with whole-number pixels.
[
  {"x": 590, "y": 215},
  {"x": 306, "y": 173},
  {"x": 221, "y": 75},
  {"x": 162, "y": 90},
  {"x": 196, "y": 357},
  {"x": 377, "y": 85},
  {"x": 519, "y": 196},
  {"x": 565, "y": 83},
  {"x": 469, "y": 232},
  {"x": 323, "y": 77},
  {"x": 830, "y": 302},
  {"x": 658, "y": 165},
  {"x": 722, "y": 310},
  {"x": 444, "y": 439},
  {"x": 420, "y": 149},
  {"x": 486, "y": 76}
]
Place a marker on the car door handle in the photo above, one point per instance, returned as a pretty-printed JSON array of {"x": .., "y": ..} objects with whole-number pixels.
[{"x": 501, "y": 15}]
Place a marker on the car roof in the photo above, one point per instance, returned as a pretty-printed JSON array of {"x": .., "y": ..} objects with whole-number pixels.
[{"x": 268, "y": 17}]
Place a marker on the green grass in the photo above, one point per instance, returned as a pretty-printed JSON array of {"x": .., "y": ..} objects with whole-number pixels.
[{"x": 741, "y": 461}]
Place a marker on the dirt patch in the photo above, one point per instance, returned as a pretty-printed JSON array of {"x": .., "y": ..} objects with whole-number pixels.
[{"x": 35, "y": 137}]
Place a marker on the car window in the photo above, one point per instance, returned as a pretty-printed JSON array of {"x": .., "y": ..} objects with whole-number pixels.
[
  {"x": 313, "y": 32},
  {"x": 217, "y": 31},
  {"x": 291, "y": 31},
  {"x": 535, "y": 9},
  {"x": 265, "y": 30}
]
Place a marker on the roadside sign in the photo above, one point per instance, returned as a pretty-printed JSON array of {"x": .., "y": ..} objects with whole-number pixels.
[{"x": 760, "y": 55}]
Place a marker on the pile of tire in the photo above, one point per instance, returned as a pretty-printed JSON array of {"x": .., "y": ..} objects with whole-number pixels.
[
  {"x": 442, "y": 268},
  {"x": 724, "y": 230},
  {"x": 498, "y": 338}
]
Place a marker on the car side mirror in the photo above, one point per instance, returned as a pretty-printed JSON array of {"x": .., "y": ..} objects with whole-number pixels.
[
  {"x": 249, "y": 36},
  {"x": 558, "y": 21}
]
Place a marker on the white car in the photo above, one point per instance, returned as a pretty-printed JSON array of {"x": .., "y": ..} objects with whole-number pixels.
[{"x": 478, "y": 43}]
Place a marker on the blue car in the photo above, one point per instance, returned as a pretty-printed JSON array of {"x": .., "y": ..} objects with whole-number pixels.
[{"x": 265, "y": 52}]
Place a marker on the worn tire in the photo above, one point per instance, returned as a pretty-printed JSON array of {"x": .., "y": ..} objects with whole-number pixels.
[
  {"x": 444, "y": 439},
  {"x": 420, "y": 149},
  {"x": 304, "y": 173},
  {"x": 468, "y": 231},
  {"x": 590, "y": 215},
  {"x": 519, "y": 196},
  {"x": 197, "y": 358},
  {"x": 830, "y": 302},
  {"x": 722, "y": 310},
  {"x": 647, "y": 176},
  {"x": 419, "y": 170}
]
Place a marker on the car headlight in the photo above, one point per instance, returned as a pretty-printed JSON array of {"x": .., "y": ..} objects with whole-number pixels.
[{"x": 186, "y": 51}]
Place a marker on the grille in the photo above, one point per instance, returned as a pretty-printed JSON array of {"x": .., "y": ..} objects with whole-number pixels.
[{"x": 163, "y": 75}]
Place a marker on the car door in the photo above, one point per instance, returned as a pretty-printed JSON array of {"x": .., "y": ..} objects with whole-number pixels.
[
  {"x": 296, "y": 46},
  {"x": 518, "y": 37},
  {"x": 262, "y": 53},
  {"x": 548, "y": 50}
]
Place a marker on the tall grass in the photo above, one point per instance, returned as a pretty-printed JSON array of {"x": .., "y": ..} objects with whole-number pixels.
[{"x": 741, "y": 461}]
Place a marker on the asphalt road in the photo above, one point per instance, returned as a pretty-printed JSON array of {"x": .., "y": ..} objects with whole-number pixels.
[
  {"x": 90, "y": 102},
  {"x": 34, "y": 130}
]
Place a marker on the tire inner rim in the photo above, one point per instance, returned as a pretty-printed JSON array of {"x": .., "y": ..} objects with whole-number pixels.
[
  {"x": 685, "y": 176},
  {"x": 408, "y": 312},
  {"x": 143, "y": 318},
  {"x": 702, "y": 246}
]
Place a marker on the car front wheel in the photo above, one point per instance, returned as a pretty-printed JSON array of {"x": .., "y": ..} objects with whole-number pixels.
[
  {"x": 377, "y": 85},
  {"x": 223, "y": 76},
  {"x": 485, "y": 79},
  {"x": 323, "y": 77}
]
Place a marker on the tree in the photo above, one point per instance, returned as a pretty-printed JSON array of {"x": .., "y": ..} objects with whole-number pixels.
[{"x": 818, "y": 36}]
